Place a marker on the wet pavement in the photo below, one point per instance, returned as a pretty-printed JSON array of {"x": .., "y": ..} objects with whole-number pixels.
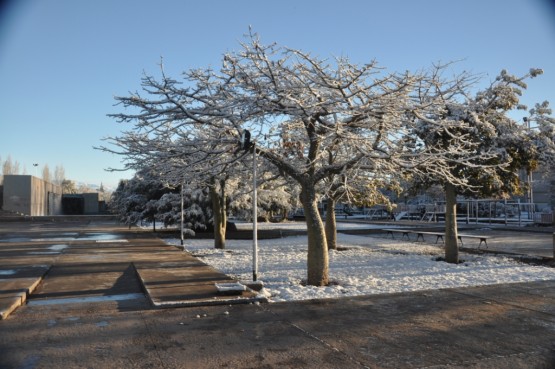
[{"x": 99, "y": 290}]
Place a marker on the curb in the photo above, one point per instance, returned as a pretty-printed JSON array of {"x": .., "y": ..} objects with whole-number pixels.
[
  {"x": 19, "y": 298},
  {"x": 214, "y": 301}
]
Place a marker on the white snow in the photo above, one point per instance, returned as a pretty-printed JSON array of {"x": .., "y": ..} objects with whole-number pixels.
[
  {"x": 58, "y": 247},
  {"x": 365, "y": 266}
]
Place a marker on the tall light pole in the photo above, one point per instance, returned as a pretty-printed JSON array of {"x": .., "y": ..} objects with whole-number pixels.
[
  {"x": 182, "y": 185},
  {"x": 254, "y": 217},
  {"x": 246, "y": 144},
  {"x": 530, "y": 180}
]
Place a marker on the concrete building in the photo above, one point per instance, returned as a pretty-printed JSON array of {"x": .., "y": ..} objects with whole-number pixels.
[
  {"x": 91, "y": 203},
  {"x": 542, "y": 193},
  {"x": 32, "y": 196}
]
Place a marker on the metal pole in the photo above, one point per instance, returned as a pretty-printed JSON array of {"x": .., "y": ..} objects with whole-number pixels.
[
  {"x": 477, "y": 211},
  {"x": 182, "y": 183},
  {"x": 505, "y": 212},
  {"x": 490, "y": 212},
  {"x": 254, "y": 218},
  {"x": 467, "y": 211},
  {"x": 519, "y": 216}
]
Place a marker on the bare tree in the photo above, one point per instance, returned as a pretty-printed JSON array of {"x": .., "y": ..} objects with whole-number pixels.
[
  {"x": 46, "y": 174},
  {"x": 10, "y": 167},
  {"x": 59, "y": 175},
  {"x": 68, "y": 187}
]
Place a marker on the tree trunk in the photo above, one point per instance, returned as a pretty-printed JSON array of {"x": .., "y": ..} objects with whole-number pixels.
[
  {"x": 218, "y": 214},
  {"x": 451, "y": 239},
  {"x": 331, "y": 227},
  {"x": 317, "y": 259}
]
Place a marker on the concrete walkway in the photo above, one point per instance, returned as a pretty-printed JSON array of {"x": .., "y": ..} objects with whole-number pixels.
[
  {"x": 99, "y": 283},
  {"x": 95, "y": 262}
]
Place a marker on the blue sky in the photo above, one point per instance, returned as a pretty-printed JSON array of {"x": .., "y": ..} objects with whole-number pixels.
[{"x": 63, "y": 61}]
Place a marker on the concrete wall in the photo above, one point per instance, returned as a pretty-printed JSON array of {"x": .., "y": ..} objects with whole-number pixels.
[
  {"x": 31, "y": 196},
  {"x": 544, "y": 193},
  {"x": 91, "y": 203}
]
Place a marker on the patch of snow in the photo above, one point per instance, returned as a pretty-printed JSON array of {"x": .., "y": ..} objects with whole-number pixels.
[
  {"x": 302, "y": 226},
  {"x": 54, "y": 239},
  {"x": 230, "y": 287},
  {"x": 365, "y": 266},
  {"x": 86, "y": 299},
  {"x": 58, "y": 247}
]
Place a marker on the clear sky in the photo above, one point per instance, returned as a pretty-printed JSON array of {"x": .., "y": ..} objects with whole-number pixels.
[{"x": 63, "y": 61}]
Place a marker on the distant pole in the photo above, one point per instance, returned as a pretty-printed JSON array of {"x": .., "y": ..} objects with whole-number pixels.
[
  {"x": 506, "y": 215},
  {"x": 254, "y": 218},
  {"x": 467, "y": 211},
  {"x": 182, "y": 184},
  {"x": 519, "y": 216}
]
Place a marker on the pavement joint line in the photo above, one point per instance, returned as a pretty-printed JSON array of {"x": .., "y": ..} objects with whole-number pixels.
[
  {"x": 474, "y": 362},
  {"x": 317, "y": 339},
  {"x": 500, "y": 302}
]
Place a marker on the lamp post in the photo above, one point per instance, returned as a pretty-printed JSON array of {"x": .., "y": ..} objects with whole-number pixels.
[
  {"x": 254, "y": 218},
  {"x": 246, "y": 144},
  {"x": 182, "y": 185},
  {"x": 530, "y": 180}
]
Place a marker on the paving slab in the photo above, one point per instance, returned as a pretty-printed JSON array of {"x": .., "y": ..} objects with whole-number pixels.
[
  {"x": 11, "y": 301},
  {"x": 14, "y": 291},
  {"x": 180, "y": 279},
  {"x": 104, "y": 263}
]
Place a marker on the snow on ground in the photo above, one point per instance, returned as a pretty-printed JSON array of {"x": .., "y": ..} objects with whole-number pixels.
[
  {"x": 288, "y": 225},
  {"x": 364, "y": 266}
]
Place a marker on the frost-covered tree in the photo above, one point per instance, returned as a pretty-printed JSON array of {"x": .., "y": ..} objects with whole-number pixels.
[
  {"x": 302, "y": 110},
  {"x": 134, "y": 199},
  {"x": 275, "y": 196},
  {"x": 501, "y": 145},
  {"x": 298, "y": 110},
  {"x": 147, "y": 197},
  {"x": 358, "y": 188}
]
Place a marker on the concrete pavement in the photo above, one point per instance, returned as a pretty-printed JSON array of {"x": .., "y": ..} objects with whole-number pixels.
[
  {"x": 96, "y": 261},
  {"x": 92, "y": 310}
]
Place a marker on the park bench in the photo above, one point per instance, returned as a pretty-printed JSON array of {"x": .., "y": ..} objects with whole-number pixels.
[
  {"x": 439, "y": 235},
  {"x": 420, "y": 235},
  {"x": 482, "y": 238},
  {"x": 405, "y": 233}
]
